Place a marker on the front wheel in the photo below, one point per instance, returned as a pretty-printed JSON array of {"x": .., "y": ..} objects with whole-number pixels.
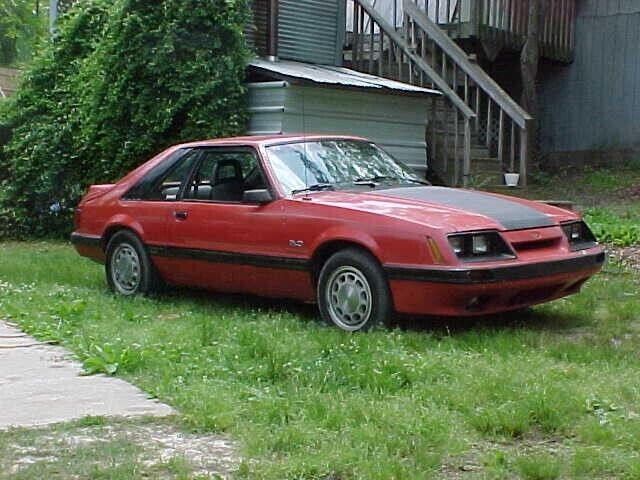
[
  {"x": 128, "y": 266},
  {"x": 353, "y": 293}
]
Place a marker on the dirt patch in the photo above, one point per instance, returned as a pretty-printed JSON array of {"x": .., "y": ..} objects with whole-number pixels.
[
  {"x": 629, "y": 193},
  {"x": 153, "y": 445},
  {"x": 472, "y": 465}
]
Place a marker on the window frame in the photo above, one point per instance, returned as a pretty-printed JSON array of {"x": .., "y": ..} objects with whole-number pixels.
[{"x": 224, "y": 149}]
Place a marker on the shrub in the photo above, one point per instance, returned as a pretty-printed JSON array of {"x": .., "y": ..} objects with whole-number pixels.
[
  {"x": 121, "y": 81},
  {"x": 608, "y": 227}
]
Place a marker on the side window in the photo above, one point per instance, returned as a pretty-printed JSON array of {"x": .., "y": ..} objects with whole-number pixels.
[
  {"x": 223, "y": 175},
  {"x": 168, "y": 186}
]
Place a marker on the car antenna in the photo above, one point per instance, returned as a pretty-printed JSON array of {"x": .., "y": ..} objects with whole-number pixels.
[{"x": 305, "y": 159}]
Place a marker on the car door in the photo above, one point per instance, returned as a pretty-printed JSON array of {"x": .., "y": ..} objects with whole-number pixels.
[{"x": 224, "y": 242}]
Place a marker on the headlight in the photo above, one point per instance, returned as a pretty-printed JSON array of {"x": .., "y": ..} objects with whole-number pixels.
[
  {"x": 481, "y": 246},
  {"x": 457, "y": 243},
  {"x": 579, "y": 235}
]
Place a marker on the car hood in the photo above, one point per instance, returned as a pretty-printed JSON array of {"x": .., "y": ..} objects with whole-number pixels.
[{"x": 449, "y": 208}]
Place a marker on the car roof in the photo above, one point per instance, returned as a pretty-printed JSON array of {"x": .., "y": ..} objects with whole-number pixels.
[{"x": 266, "y": 140}]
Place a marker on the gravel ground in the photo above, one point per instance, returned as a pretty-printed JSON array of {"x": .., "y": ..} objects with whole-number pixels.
[
  {"x": 208, "y": 456},
  {"x": 629, "y": 257}
]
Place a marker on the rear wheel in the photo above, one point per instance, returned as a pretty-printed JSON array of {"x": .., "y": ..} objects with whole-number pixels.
[
  {"x": 128, "y": 266},
  {"x": 353, "y": 293}
]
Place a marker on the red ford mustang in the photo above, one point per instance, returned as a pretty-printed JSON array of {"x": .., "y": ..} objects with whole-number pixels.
[{"x": 329, "y": 219}]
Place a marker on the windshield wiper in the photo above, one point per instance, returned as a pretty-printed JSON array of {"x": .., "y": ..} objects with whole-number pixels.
[
  {"x": 317, "y": 187},
  {"x": 381, "y": 178},
  {"x": 416, "y": 180}
]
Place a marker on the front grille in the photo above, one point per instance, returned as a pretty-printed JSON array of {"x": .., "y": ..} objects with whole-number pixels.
[{"x": 535, "y": 244}]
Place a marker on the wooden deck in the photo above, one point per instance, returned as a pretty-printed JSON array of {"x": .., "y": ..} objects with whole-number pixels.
[{"x": 504, "y": 23}]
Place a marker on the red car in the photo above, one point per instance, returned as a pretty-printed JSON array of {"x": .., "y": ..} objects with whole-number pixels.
[{"x": 330, "y": 219}]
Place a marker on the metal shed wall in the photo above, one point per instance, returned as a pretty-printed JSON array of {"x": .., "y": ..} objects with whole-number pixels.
[
  {"x": 394, "y": 121},
  {"x": 593, "y": 104},
  {"x": 311, "y": 31},
  {"x": 266, "y": 107}
]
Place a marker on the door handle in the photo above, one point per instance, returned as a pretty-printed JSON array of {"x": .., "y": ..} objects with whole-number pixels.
[{"x": 180, "y": 215}]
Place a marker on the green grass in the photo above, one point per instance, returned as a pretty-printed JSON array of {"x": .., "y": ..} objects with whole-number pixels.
[{"x": 547, "y": 393}]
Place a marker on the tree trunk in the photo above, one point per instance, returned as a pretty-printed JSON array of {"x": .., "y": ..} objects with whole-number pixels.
[{"x": 529, "y": 71}]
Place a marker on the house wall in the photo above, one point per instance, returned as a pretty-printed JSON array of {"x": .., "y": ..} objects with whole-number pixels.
[
  {"x": 394, "y": 121},
  {"x": 308, "y": 30},
  {"x": 592, "y": 105}
]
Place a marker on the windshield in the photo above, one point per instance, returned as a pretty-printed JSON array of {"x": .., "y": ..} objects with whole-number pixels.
[{"x": 334, "y": 163}]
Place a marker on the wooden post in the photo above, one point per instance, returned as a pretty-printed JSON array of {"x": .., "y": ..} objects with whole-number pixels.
[
  {"x": 474, "y": 17},
  {"x": 512, "y": 152},
  {"x": 466, "y": 89},
  {"x": 362, "y": 40},
  {"x": 466, "y": 166},
  {"x": 489, "y": 122},
  {"x": 477, "y": 110},
  {"x": 434, "y": 134},
  {"x": 355, "y": 39},
  {"x": 456, "y": 162},
  {"x": 501, "y": 139},
  {"x": 371, "y": 44},
  {"x": 381, "y": 53},
  {"x": 523, "y": 157},
  {"x": 445, "y": 129},
  {"x": 529, "y": 71}
]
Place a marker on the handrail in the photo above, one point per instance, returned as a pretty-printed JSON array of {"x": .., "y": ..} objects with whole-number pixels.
[
  {"x": 438, "y": 81},
  {"x": 460, "y": 58}
]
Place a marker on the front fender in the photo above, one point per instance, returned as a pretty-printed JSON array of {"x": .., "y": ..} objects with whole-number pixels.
[{"x": 343, "y": 233}]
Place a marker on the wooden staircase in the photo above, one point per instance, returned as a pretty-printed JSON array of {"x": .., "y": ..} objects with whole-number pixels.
[{"x": 476, "y": 131}]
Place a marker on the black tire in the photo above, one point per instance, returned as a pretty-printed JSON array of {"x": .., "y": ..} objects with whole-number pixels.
[
  {"x": 128, "y": 267},
  {"x": 353, "y": 293}
]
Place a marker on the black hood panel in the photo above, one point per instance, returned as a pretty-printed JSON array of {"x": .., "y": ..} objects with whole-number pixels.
[{"x": 511, "y": 215}]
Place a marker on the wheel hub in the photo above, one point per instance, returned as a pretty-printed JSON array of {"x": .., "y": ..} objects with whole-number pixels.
[
  {"x": 349, "y": 298},
  {"x": 126, "y": 268}
]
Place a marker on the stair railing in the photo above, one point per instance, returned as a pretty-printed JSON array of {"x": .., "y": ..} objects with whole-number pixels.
[
  {"x": 493, "y": 107},
  {"x": 373, "y": 40}
]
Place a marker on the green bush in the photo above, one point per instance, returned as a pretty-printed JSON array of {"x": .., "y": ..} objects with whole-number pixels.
[
  {"x": 121, "y": 81},
  {"x": 608, "y": 227}
]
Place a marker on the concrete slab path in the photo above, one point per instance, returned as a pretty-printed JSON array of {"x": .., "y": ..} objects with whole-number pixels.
[{"x": 42, "y": 384}]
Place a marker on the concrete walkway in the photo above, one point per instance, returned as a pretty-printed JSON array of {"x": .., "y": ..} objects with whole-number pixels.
[{"x": 41, "y": 384}]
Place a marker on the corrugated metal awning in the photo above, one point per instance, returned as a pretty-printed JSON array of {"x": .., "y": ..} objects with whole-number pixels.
[{"x": 297, "y": 72}]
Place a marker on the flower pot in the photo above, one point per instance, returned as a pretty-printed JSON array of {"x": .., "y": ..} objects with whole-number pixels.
[{"x": 511, "y": 179}]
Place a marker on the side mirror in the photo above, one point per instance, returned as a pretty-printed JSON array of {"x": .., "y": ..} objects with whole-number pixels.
[{"x": 259, "y": 196}]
